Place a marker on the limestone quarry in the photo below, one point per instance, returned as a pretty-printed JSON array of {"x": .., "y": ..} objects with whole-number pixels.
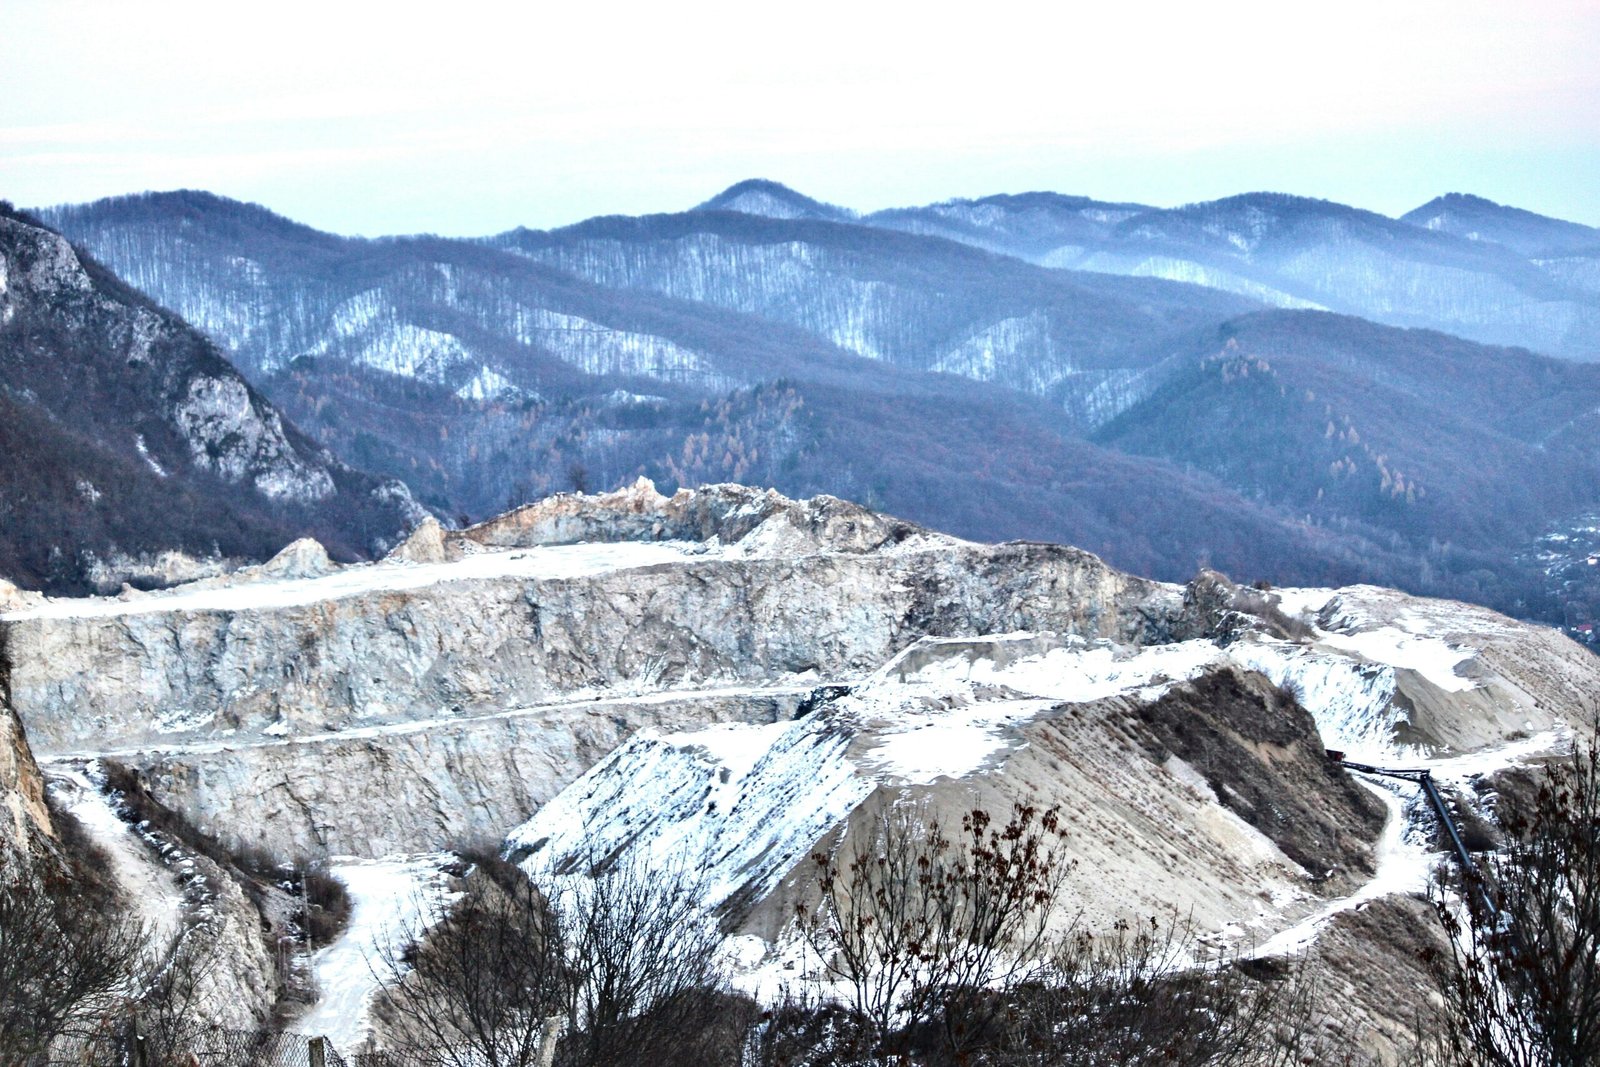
[{"x": 732, "y": 680}]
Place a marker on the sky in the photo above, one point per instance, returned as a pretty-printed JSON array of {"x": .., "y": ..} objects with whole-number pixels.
[{"x": 471, "y": 118}]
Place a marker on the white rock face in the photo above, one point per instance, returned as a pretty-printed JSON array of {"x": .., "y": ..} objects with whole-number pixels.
[
  {"x": 673, "y": 656},
  {"x": 174, "y": 892},
  {"x": 960, "y": 723},
  {"x": 23, "y": 815},
  {"x": 1390, "y": 675},
  {"x": 228, "y": 435},
  {"x": 274, "y": 701},
  {"x": 453, "y": 781}
]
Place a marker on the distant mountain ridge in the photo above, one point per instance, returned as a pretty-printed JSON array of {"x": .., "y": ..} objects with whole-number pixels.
[
  {"x": 1478, "y": 219},
  {"x": 1426, "y": 269},
  {"x": 964, "y": 387},
  {"x": 759, "y": 196}
]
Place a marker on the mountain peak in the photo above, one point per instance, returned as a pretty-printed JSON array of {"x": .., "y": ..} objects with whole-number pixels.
[
  {"x": 1477, "y": 218},
  {"x": 191, "y": 206},
  {"x": 761, "y": 196}
]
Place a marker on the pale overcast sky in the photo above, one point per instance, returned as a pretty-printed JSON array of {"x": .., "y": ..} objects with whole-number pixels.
[{"x": 470, "y": 117}]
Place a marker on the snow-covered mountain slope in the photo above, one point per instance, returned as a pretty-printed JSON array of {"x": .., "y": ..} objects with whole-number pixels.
[
  {"x": 1460, "y": 264},
  {"x": 1158, "y": 757},
  {"x": 917, "y": 302},
  {"x": 1032, "y": 226},
  {"x": 979, "y": 722}
]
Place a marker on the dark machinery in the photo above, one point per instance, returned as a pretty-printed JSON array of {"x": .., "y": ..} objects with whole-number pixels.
[{"x": 1423, "y": 777}]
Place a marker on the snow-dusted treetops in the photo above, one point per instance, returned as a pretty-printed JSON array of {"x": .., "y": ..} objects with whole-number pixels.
[{"x": 1168, "y": 388}]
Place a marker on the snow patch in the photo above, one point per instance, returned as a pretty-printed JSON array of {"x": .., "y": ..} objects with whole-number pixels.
[
  {"x": 1351, "y": 701},
  {"x": 1062, "y": 669},
  {"x": 1432, "y": 658},
  {"x": 144, "y": 453},
  {"x": 487, "y": 385},
  {"x": 543, "y": 562},
  {"x": 388, "y": 897},
  {"x": 738, "y": 806},
  {"x": 148, "y": 883}
]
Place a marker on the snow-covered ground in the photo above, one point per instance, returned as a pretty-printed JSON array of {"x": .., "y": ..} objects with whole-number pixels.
[
  {"x": 1351, "y": 700},
  {"x": 1403, "y": 867},
  {"x": 149, "y": 883},
  {"x": 931, "y": 725},
  {"x": 591, "y": 701},
  {"x": 741, "y": 804},
  {"x": 1404, "y": 863},
  {"x": 545, "y": 561},
  {"x": 1434, "y": 659},
  {"x": 388, "y": 898}
]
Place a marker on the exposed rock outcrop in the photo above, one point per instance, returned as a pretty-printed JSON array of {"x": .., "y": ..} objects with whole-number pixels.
[
  {"x": 727, "y": 513},
  {"x": 142, "y": 454},
  {"x": 457, "y": 782},
  {"x": 24, "y": 818},
  {"x": 387, "y": 644}
]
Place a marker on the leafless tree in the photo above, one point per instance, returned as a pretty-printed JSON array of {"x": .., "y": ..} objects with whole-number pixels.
[
  {"x": 64, "y": 966},
  {"x": 922, "y": 928},
  {"x": 943, "y": 947},
  {"x": 167, "y": 1014},
  {"x": 642, "y": 952},
  {"x": 1522, "y": 979},
  {"x": 477, "y": 987},
  {"x": 622, "y": 962}
]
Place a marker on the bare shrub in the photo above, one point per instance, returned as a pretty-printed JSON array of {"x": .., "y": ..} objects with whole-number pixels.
[
  {"x": 167, "y": 1016},
  {"x": 921, "y": 928},
  {"x": 1137, "y": 995},
  {"x": 63, "y": 968},
  {"x": 941, "y": 947},
  {"x": 1521, "y": 981},
  {"x": 476, "y": 988},
  {"x": 646, "y": 984}
]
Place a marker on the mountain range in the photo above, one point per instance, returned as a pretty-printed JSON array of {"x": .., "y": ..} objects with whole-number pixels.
[{"x": 1221, "y": 384}]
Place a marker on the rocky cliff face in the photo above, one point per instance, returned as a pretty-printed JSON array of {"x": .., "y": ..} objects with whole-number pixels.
[
  {"x": 128, "y": 433},
  {"x": 537, "y": 623},
  {"x": 23, "y": 815},
  {"x": 491, "y": 677},
  {"x": 440, "y": 697},
  {"x": 733, "y": 679}
]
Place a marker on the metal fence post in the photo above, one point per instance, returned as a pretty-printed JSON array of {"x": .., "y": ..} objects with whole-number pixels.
[
  {"x": 317, "y": 1051},
  {"x": 136, "y": 1049}
]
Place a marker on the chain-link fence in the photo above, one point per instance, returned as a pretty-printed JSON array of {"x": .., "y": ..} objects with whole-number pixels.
[
  {"x": 214, "y": 1048},
  {"x": 244, "y": 1048},
  {"x": 402, "y": 1057},
  {"x": 253, "y": 1048}
]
